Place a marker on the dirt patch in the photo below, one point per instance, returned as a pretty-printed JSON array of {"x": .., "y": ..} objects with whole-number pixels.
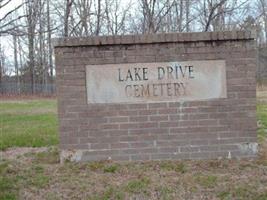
[{"x": 14, "y": 153}]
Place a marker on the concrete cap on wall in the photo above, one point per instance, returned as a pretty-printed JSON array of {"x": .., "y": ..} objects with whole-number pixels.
[{"x": 155, "y": 38}]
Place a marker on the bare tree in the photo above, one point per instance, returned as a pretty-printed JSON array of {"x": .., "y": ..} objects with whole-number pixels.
[
  {"x": 213, "y": 13},
  {"x": 262, "y": 6},
  {"x": 116, "y": 16},
  {"x": 16, "y": 64},
  {"x": 66, "y": 17},
  {"x": 32, "y": 12},
  {"x": 2, "y": 66},
  {"x": 8, "y": 19},
  {"x": 49, "y": 41},
  {"x": 153, "y": 14},
  {"x": 98, "y": 17}
]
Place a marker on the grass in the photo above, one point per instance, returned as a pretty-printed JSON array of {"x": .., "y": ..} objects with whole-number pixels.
[
  {"x": 138, "y": 185},
  {"x": 171, "y": 165},
  {"x": 111, "y": 169},
  {"x": 262, "y": 120},
  {"x": 28, "y": 124},
  {"x": 110, "y": 193},
  {"x": 207, "y": 181},
  {"x": 35, "y": 178},
  {"x": 8, "y": 188},
  {"x": 50, "y": 157}
]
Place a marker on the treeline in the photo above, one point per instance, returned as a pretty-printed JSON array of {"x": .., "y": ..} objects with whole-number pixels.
[{"x": 28, "y": 26}]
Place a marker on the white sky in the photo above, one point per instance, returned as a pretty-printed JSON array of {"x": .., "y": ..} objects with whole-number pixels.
[
  {"x": 13, "y": 4},
  {"x": 6, "y": 41}
]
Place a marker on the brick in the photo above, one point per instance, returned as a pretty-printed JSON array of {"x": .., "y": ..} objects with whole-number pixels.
[
  {"x": 138, "y": 119},
  {"x": 140, "y": 157},
  {"x": 129, "y": 126},
  {"x": 109, "y": 126},
  {"x": 147, "y": 112},
  {"x": 169, "y": 124},
  {"x": 159, "y": 118},
  {"x": 200, "y": 155},
  {"x": 118, "y": 119},
  {"x": 157, "y": 105},
  {"x": 161, "y": 156},
  {"x": 100, "y": 146},
  {"x": 148, "y": 125},
  {"x": 120, "y": 145},
  {"x": 141, "y": 144},
  {"x": 167, "y": 111}
]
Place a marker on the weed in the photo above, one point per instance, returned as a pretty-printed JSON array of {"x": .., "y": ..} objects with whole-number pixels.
[
  {"x": 262, "y": 196},
  {"x": 207, "y": 181},
  {"x": 48, "y": 157},
  {"x": 166, "y": 193},
  {"x": 8, "y": 196},
  {"x": 40, "y": 181},
  {"x": 111, "y": 169},
  {"x": 3, "y": 167},
  {"x": 109, "y": 194},
  {"x": 224, "y": 195},
  {"x": 95, "y": 166},
  {"x": 35, "y": 176},
  {"x": 181, "y": 168},
  {"x": 8, "y": 188},
  {"x": 167, "y": 165},
  {"x": 172, "y": 166},
  {"x": 138, "y": 186}
]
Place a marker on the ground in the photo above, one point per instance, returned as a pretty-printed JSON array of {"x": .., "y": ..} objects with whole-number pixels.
[{"x": 27, "y": 172}]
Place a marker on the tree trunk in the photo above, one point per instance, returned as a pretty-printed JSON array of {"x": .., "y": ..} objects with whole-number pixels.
[
  {"x": 98, "y": 17},
  {"x": 15, "y": 43},
  {"x": 181, "y": 10},
  {"x": 50, "y": 50},
  {"x": 1, "y": 71},
  {"x": 31, "y": 60},
  {"x": 66, "y": 18},
  {"x": 187, "y": 5}
]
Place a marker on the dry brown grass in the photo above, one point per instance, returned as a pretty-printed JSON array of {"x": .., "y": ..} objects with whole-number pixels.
[{"x": 38, "y": 175}]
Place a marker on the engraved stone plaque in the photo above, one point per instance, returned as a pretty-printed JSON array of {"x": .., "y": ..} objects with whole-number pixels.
[{"x": 156, "y": 82}]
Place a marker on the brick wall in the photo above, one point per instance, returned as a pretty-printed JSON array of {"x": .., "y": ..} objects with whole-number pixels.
[{"x": 166, "y": 130}]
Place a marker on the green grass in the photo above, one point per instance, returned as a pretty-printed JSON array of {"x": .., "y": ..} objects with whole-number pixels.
[
  {"x": 108, "y": 194},
  {"x": 47, "y": 157},
  {"x": 111, "y": 169},
  {"x": 8, "y": 182},
  {"x": 28, "y": 124},
  {"x": 138, "y": 186},
  {"x": 262, "y": 120},
  {"x": 206, "y": 181},
  {"x": 242, "y": 192},
  {"x": 13, "y": 177},
  {"x": 170, "y": 165}
]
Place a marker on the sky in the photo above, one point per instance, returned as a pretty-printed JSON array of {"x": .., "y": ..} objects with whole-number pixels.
[
  {"x": 13, "y": 4},
  {"x": 6, "y": 41}
]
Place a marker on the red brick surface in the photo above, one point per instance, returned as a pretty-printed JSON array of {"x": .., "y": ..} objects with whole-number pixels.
[{"x": 168, "y": 130}]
